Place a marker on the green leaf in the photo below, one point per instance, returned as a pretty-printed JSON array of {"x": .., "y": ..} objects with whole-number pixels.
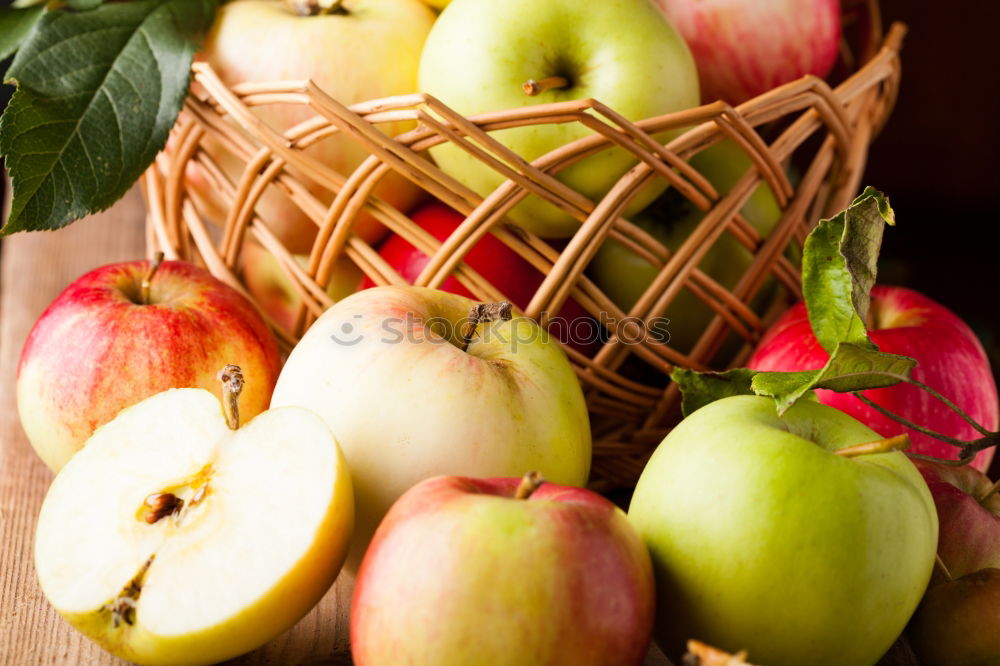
[
  {"x": 839, "y": 268},
  {"x": 700, "y": 388},
  {"x": 83, "y": 5},
  {"x": 98, "y": 92},
  {"x": 15, "y": 25},
  {"x": 850, "y": 368}
]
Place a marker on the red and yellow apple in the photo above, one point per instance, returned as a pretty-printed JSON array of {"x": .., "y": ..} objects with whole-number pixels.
[
  {"x": 102, "y": 346},
  {"x": 265, "y": 40},
  {"x": 950, "y": 359},
  {"x": 743, "y": 48},
  {"x": 493, "y": 571},
  {"x": 388, "y": 370}
]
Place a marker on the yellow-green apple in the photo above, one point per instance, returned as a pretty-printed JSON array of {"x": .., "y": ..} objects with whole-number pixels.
[
  {"x": 746, "y": 47},
  {"x": 764, "y": 538},
  {"x": 624, "y": 275},
  {"x": 950, "y": 359},
  {"x": 502, "y": 572},
  {"x": 498, "y": 264},
  {"x": 274, "y": 292},
  {"x": 958, "y": 622},
  {"x": 481, "y": 53},
  {"x": 105, "y": 343},
  {"x": 333, "y": 45},
  {"x": 387, "y": 370},
  {"x": 178, "y": 537}
]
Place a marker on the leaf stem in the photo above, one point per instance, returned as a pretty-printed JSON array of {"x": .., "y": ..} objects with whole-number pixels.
[
  {"x": 909, "y": 424},
  {"x": 948, "y": 403}
]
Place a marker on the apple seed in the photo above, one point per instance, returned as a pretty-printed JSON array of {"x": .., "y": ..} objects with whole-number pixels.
[{"x": 162, "y": 505}]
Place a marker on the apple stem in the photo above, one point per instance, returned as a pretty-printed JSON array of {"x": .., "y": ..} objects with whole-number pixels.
[
  {"x": 147, "y": 279},
  {"x": 531, "y": 87},
  {"x": 530, "y": 482},
  {"x": 700, "y": 654},
  {"x": 482, "y": 313},
  {"x": 317, "y": 7},
  {"x": 939, "y": 564},
  {"x": 989, "y": 493},
  {"x": 886, "y": 445},
  {"x": 231, "y": 377}
]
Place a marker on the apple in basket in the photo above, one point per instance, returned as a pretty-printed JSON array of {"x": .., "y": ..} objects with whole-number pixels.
[
  {"x": 355, "y": 50},
  {"x": 488, "y": 55}
]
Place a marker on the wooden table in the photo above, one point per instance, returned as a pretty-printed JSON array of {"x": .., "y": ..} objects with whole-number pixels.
[{"x": 34, "y": 268}]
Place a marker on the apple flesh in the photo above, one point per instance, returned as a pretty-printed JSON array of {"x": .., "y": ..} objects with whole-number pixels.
[
  {"x": 264, "y": 40},
  {"x": 386, "y": 371},
  {"x": 625, "y": 276},
  {"x": 494, "y": 261},
  {"x": 764, "y": 539},
  {"x": 461, "y": 571},
  {"x": 98, "y": 348},
  {"x": 950, "y": 359},
  {"x": 480, "y": 53},
  {"x": 259, "y": 535},
  {"x": 745, "y": 48}
]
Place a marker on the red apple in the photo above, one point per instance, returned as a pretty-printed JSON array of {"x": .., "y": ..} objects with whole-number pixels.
[
  {"x": 958, "y": 621},
  {"x": 497, "y": 263},
  {"x": 466, "y": 571},
  {"x": 951, "y": 361},
  {"x": 101, "y": 346},
  {"x": 743, "y": 48}
]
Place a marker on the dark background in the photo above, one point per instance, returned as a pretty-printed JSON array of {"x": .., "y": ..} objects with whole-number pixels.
[{"x": 936, "y": 160}]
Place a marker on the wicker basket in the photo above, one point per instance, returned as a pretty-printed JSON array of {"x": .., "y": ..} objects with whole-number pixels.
[{"x": 824, "y": 131}]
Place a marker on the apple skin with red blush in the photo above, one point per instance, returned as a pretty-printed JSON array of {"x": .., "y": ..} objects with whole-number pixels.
[
  {"x": 461, "y": 571},
  {"x": 950, "y": 358}
]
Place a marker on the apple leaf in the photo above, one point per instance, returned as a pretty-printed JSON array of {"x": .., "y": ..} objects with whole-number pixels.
[
  {"x": 15, "y": 25},
  {"x": 839, "y": 268},
  {"x": 700, "y": 388},
  {"x": 97, "y": 93},
  {"x": 850, "y": 368},
  {"x": 83, "y": 5}
]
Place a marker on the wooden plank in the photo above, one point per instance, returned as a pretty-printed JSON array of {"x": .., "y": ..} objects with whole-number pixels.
[{"x": 34, "y": 268}]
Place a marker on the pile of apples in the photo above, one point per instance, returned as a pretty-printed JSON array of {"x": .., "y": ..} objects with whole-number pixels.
[{"x": 207, "y": 494}]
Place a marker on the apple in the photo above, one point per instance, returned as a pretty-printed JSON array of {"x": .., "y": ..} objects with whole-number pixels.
[
  {"x": 493, "y": 571},
  {"x": 333, "y": 45},
  {"x": 625, "y": 276},
  {"x": 764, "y": 539},
  {"x": 386, "y": 370},
  {"x": 104, "y": 344},
  {"x": 958, "y": 622},
  {"x": 274, "y": 292},
  {"x": 178, "y": 537},
  {"x": 480, "y": 54},
  {"x": 494, "y": 261},
  {"x": 743, "y": 48},
  {"x": 951, "y": 361}
]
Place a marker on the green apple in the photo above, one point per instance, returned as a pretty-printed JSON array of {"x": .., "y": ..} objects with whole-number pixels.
[
  {"x": 624, "y": 53},
  {"x": 387, "y": 371},
  {"x": 624, "y": 275},
  {"x": 177, "y": 537},
  {"x": 764, "y": 539},
  {"x": 355, "y": 50}
]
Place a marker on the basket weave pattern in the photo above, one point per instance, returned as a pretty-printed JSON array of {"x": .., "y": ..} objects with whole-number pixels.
[{"x": 630, "y": 415}]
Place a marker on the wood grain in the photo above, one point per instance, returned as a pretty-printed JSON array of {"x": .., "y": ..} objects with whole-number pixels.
[{"x": 34, "y": 268}]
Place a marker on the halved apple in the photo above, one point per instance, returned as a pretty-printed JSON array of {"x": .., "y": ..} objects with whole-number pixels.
[{"x": 173, "y": 538}]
